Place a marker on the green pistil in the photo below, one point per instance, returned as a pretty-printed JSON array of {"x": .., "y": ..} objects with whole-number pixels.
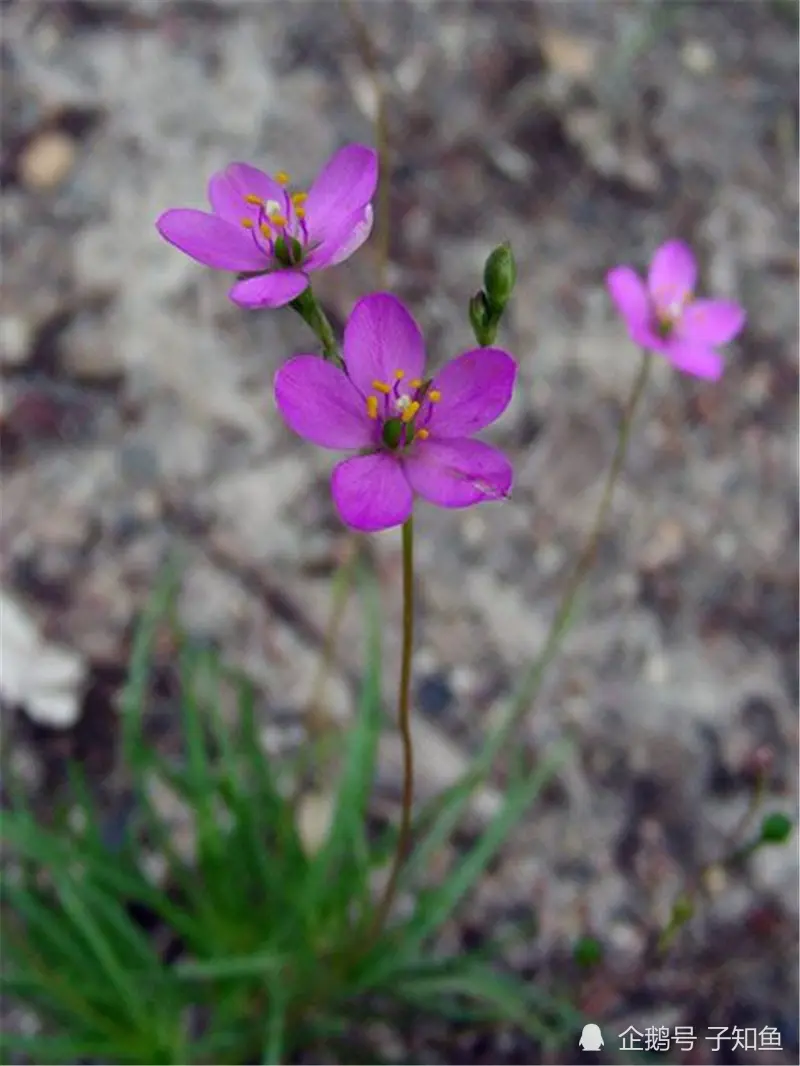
[
  {"x": 288, "y": 253},
  {"x": 393, "y": 433}
]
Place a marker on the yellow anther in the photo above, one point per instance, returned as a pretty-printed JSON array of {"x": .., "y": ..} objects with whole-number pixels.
[
  {"x": 372, "y": 406},
  {"x": 381, "y": 386},
  {"x": 265, "y": 230},
  {"x": 399, "y": 375},
  {"x": 416, "y": 383},
  {"x": 422, "y": 434},
  {"x": 434, "y": 396},
  {"x": 277, "y": 220},
  {"x": 299, "y": 198},
  {"x": 300, "y": 212},
  {"x": 248, "y": 223},
  {"x": 282, "y": 177},
  {"x": 410, "y": 411},
  {"x": 251, "y": 198}
]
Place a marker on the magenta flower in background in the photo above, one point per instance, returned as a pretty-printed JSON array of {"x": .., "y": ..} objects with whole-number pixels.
[
  {"x": 413, "y": 435},
  {"x": 259, "y": 228},
  {"x": 664, "y": 316}
]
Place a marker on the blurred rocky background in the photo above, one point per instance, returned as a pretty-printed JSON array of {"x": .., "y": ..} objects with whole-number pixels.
[{"x": 137, "y": 417}]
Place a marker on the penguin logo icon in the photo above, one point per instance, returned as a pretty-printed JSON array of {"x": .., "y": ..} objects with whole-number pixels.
[{"x": 591, "y": 1038}]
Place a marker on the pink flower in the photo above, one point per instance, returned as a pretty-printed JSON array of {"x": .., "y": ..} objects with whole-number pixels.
[
  {"x": 414, "y": 435},
  {"x": 260, "y": 229},
  {"x": 664, "y": 316}
]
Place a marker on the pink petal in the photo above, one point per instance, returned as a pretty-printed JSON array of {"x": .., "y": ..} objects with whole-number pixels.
[
  {"x": 672, "y": 276},
  {"x": 269, "y": 290},
  {"x": 228, "y": 188},
  {"x": 629, "y": 294},
  {"x": 371, "y": 492},
  {"x": 345, "y": 185},
  {"x": 318, "y": 401},
  {"x": 459, "y": 472},
  {"x": 380, "y": 338},
  {"x": 341, "y": 242},
  {"x": 711, "y": 321},
  {"x": 475, "y": 389},
  {"x": 210, "y": 240},
  {"x": 695, "y": 359}
]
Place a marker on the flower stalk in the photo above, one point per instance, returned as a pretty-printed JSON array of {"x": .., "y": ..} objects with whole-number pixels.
[
  {"x": 310, "y": 310},
  {"x": 404, "y": 723},
  {"x": 560, "y": 624}
]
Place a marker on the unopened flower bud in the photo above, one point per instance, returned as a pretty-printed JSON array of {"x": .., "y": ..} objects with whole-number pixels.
[
  {"x": 500, "y": 277},
  {"x": 484, "y": 324}
]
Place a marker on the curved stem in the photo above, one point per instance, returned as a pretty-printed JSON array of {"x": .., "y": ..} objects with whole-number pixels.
[
  {"x": 310, "y": 310},
  {"x": 404, "y": 723},
  {"x": 529, "y": 689},
  {"x": 560, "y": 623},
  {"x": 368, "y": 52}
]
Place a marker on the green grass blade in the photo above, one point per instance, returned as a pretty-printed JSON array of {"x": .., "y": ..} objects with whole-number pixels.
[
  {"x": 56, "y": 1050},
  {"x": 259, "y": 964},
  {"x": 435, "y": 907},
  {"x": 346, "y": 840},
  {"x": 134, "y": 695},
  {"x": 275, "y": 1032}
]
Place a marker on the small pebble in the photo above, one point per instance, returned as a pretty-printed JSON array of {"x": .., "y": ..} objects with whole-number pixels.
[
  {"x": 16, "y": 341},
  {"x": 698, "y": 57},
  {"x": 47, "y": 160}
]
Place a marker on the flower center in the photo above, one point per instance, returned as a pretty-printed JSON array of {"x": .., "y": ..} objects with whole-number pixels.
[
  {"x": 668, "y": 309},
  {"x": 402, "y": 409},
  {"x": 278, "y": 226}
]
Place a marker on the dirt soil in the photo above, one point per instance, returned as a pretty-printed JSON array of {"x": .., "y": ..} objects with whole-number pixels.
[{"x": 137, "y": 416}]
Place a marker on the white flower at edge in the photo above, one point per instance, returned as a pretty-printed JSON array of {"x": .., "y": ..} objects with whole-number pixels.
[{"x": 44, "y": 679}]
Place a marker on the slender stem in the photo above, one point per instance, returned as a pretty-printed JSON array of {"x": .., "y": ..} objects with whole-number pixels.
[
  {"x": 404, "y": 722},
  {"x": 586, "y": 558},
  {"x": 531, "y": 684},
  {"x": 310, "y": 310},
  {"x": 368, "y": 52},
  {"x": 318, "y": 721}
]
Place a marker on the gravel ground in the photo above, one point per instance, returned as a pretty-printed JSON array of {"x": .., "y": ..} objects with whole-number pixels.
[{"x": 136, "y": 415}]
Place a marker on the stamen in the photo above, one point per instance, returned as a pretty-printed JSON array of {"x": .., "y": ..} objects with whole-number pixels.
[
  {"x": 247, "y": 223},
  {"x": 372, "y": 407},
  {"x": 300, "y": 212},
  {"x": 434, "y": 396},
  {"x": 422, "y": 434},
  {"x": 381, "y": 386},
  {"x": 399, "y": 375},
  {"x": 410, "y": 411},
  {"x": 265, "y": 231},
  {"x": 251, "y": 198},
  {"x": 277, "y": 220},
  {"x": 416, "y": 383},
  {"x": 299, "y": 198},
  {"x": 282, "y": 177}
]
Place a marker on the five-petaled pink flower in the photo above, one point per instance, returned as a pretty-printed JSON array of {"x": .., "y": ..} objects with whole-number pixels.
[
  {"x": 260, "y": 229},
  {"x": 413, "y": 434},
  {"x": 664, "y": 316}
]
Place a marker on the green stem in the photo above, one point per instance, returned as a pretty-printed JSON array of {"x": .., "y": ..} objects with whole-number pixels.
[
  {"x": 531, "y": 684},
  {"x": 582, "y": 567},
  {"x": 404, "y": 722},
  {"x": 309, "y": 309}
]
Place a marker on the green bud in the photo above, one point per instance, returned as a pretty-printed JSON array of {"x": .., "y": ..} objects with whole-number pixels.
[
  {"x": 587, "y": 951},
  {"x": 500, "y": 277},
  {"x": 776, "y": 828},
  {"x": 484, "y": 326},
  {"x": 393, "y": 432}
]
